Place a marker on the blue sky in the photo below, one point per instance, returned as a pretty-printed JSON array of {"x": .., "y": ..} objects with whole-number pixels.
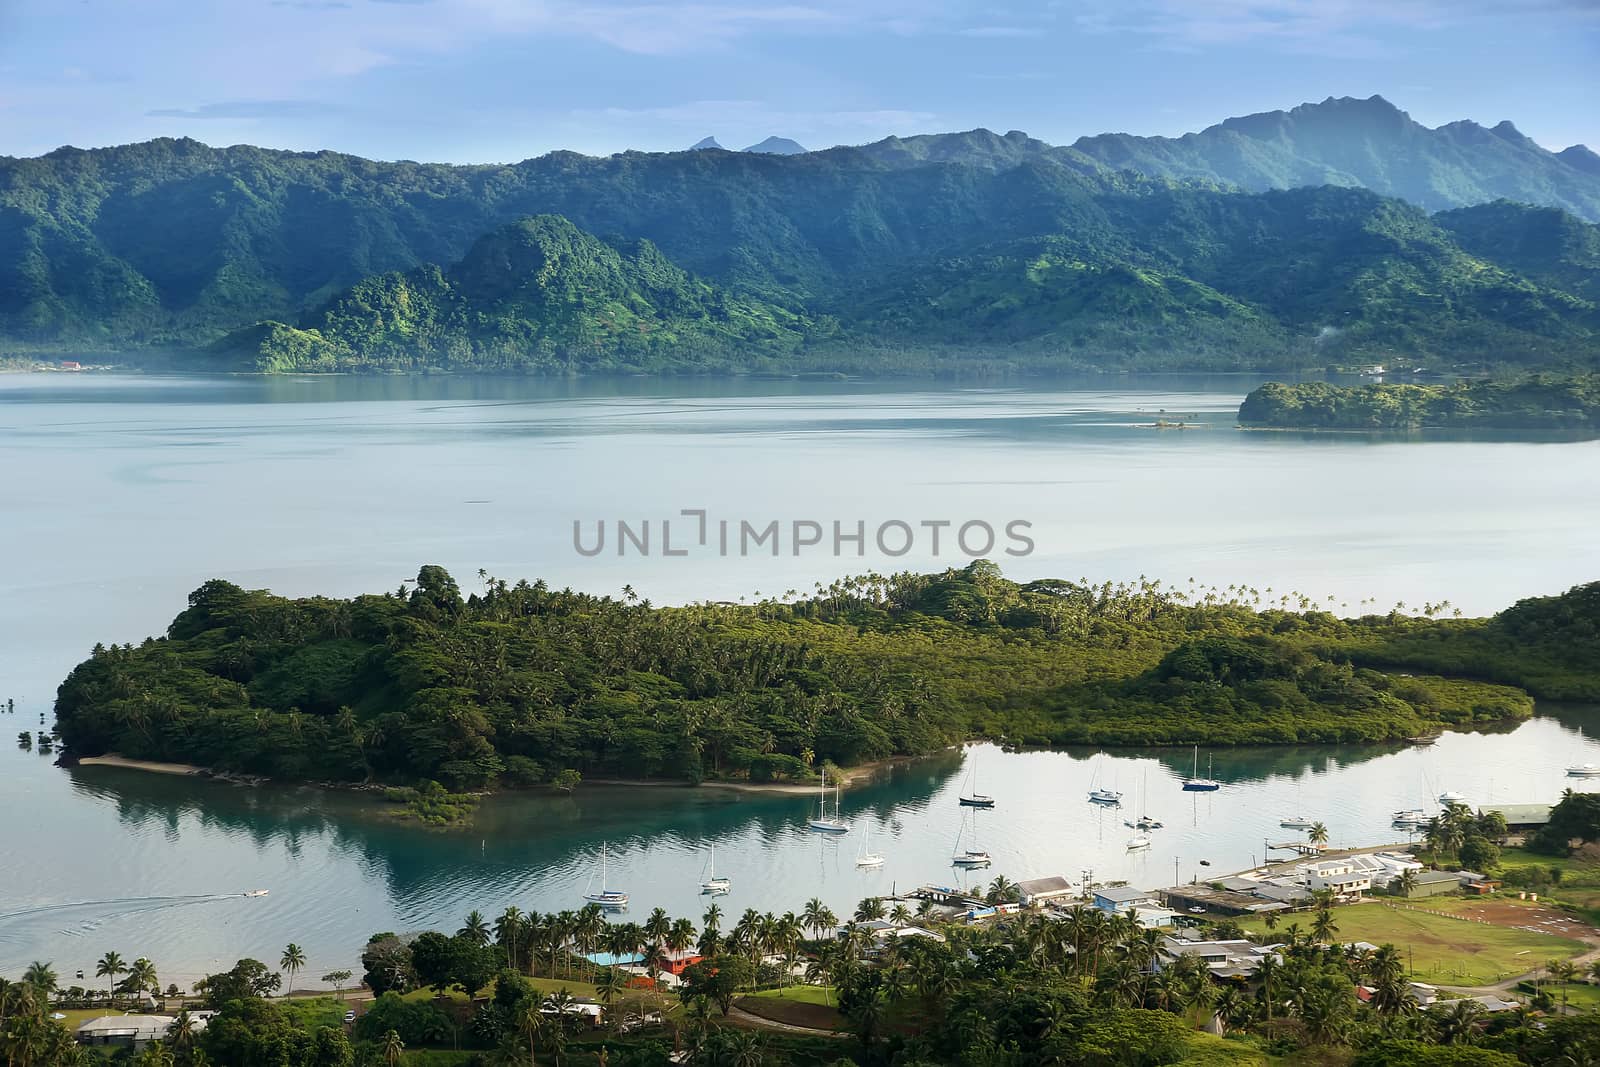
[{"x": 500, "y": 80}]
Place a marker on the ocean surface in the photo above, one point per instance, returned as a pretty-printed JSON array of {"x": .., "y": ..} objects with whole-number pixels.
[{"x": 119, "y": 495}]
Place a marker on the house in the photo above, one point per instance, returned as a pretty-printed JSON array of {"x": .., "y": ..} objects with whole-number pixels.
[
  {"x": 583, "y": 1010},
  {"x": 1292, "y": 895},
  {"x": 1433, "y": 883},
  {"x": 1224, "y": 959},
  {"x": 1119, "y": 900},
  {"x": 1338, "y": 876},
  {"x": 1036, "y": 891},
  {"x": 1520, "y": 818},
  {"x": 124, "y": 1031}
]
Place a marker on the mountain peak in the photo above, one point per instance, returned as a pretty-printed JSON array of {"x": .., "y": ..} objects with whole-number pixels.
[
  {"x": 704, "y": 143},
  {"x": 778, "y": 146},
  {"x": 1580, "y": 157}
]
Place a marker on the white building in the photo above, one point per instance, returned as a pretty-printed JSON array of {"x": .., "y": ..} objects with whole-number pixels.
[{"x": 1339, "y": 876}]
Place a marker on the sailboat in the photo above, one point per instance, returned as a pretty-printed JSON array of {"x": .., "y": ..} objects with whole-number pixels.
[
  {"x": 1144, "y": 822},
  {"x": 1196, "y": 784},
  {"x": 972, "y": 798},
  {"x": 823, "y": 824},
  {"x": 1137, "y": 840},
  {"x": 714, "y": 884},
  {"x": 1296, "y": 822},
  {"x": 868, "y": 858},
  {"x": 1099, "y": 795},
  {"x": 970, "y": 857},
  {"x": 609, "y": 899}
]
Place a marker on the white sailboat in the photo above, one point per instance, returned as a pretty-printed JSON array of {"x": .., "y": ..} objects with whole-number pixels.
[
  {"x": 972, "y": 857},
  {"x": 824, "y": 823},
  {"x": 609, "y": 899},
  {"x": 713, "y": 883},
  {"x": 1099, "y": 794},
  {"x": 1297, "y": 822},
  {"x": 1137, "y": 840},
  {"x": 868, "y": 858}
]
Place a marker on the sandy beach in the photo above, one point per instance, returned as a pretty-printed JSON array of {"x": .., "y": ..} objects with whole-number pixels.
[{"x": 111, "y": 759}]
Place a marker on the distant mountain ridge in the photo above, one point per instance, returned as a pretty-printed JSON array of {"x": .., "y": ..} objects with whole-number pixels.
[
  {"x": 1371, "y": 144},
  {"x": 910, "y": 244}
]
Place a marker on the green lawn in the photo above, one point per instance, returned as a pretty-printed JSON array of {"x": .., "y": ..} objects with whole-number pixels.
[
  {"x": 805, "y": 994},
  {"x": 1439, "y": 948},
  {"x": 1580, "y": 995},
  {"x": 580, "y": 990}
]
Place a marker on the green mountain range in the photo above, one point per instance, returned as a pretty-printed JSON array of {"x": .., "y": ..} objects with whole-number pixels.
[{"x": 913, "y": 253}]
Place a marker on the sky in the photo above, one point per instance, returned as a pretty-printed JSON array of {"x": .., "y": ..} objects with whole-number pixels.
[{"x": 502, "y": 80}]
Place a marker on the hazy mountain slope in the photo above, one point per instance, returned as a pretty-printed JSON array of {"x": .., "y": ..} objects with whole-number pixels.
[{"x": 1370, "y": 143}]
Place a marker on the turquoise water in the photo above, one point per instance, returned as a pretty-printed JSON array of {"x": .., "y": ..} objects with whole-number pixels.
[{"x": 122, "y": 494}]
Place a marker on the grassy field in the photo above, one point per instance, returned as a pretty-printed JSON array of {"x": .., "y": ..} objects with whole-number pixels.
[
  {"x": 1580, "y": 877},
  {"x": 805, "y": 1007},
  {"x": 805, "y": 994},
  {"x": 312, "y": 1013},
  {"x": 1208, "y": 1051},
  {"x": 1443, "y": 949},
  {"x": 580, "y": 990}
]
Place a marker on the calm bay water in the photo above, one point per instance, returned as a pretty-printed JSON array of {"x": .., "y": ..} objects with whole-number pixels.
[{"x": 119, "y": 495}]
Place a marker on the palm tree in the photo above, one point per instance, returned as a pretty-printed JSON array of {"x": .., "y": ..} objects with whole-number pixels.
[
  {"x": 657, "y": 924},
  {"x": 1405, "y": 883},
  {"x": 900, "y": 915},
  {"x": 110, "y": 966},
  {"x": 1323, "y": 927},
  {"x": 42, "y": 977},
  {"x": 142, "y": 976},
  {"x": 746, "y": 1049},
  {"x": 475, "y": 929},
  {"x": 816, "y": 917},
  {"x": 391, "y": 1048},
  {"x": 292, "y": 960},
  {"x": 181, "y": 1032},
  {"x": 1458, "y": 1024},
  {"x": 508, "y": 932},
  {"x": 1318, "y": 834}
]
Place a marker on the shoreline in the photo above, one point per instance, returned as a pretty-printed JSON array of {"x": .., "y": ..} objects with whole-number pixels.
[
  {"x": 850, "y": 776},
  {"x": 112, "y": 759}
]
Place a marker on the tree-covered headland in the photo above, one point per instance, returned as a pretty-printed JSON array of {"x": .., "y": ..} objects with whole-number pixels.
[
  {"x": 1535, "y": 402},
  {"x": 523, "y": 684}
]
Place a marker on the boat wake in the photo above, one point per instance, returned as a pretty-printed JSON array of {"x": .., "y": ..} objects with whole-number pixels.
[{"x": 155, "y": 902}]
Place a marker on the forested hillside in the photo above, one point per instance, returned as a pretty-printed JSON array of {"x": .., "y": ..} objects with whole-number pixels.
[
  {"x": 917, "y": 253},
  {"x": 520, "y": 683}
]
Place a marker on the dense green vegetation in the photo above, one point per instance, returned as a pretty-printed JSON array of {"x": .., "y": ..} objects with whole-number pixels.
[
  {"x": 1541, "y": 401},
  {"x": 964, "y": 252},
  {"x": 537, "y": 294},
  {"x": 523, "y": 684},
  {"x": 1070, "y": 986}
]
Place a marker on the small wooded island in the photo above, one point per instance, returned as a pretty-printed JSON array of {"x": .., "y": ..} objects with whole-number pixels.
[
  {"x": 520, "y": 683},
  {"x": 1568, "y": 402}
]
